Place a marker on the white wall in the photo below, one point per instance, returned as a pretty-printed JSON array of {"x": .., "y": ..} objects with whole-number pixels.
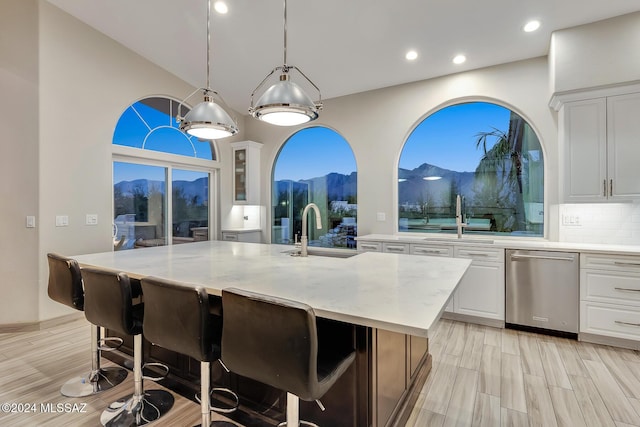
[
  {"x": 598, "y": 54},
  {"x": 377, "y": 123},
  {"x": 86, "y": 82},
  {"x": 18, "y": 160},
  {"x": 606, "y": 223}
]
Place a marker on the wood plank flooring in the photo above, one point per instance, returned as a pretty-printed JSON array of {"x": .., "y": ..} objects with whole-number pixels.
[
  {"x": 34, "y": 365},
  {"x": 490, "y": 377},
  {"x": 481, "y": 376}
]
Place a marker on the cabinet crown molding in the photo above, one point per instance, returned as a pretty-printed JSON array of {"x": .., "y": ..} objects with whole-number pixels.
[{"x": 558, "y": 99}]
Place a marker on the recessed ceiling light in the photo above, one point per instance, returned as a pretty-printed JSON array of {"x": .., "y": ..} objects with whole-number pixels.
[
  {"x": 459, "y": 59},
  {"x": 411, "y": 55},
  {"x": 531, "y": 26},
  {"x": 221, "y": 7}
]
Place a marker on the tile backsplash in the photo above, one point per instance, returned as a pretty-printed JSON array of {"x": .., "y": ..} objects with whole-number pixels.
[{"x": 606, "y": 223}]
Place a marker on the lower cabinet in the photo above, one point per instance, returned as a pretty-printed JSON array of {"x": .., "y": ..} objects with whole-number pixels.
[
  {"x": 610, "y": 297},
  {"x": 248, "y": 236}
]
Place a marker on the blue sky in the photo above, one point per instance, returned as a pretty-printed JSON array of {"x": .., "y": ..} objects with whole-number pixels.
[
  {"x": 314, "y": 152},
  {"x": 453, "y": 128},
  {"x": 445, "y": 139}
]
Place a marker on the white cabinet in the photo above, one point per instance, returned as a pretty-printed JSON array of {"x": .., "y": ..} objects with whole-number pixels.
[
  {"x": 248, "y": 236},
  {"x": 369, "y": 246},
  {"x": 600, "y": 148},
  {"x": 610, "y": 296},
  {"x": 481, "y": 290},
  {"x": 246, "y": 172}
]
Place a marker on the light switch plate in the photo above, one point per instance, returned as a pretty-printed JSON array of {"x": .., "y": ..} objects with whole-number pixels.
[
  {"x": 381, "y": 216},
  {"x": 91, "y": 219},
  {"x": 31, "y": 221},
  {"x": 62, "y": 220}
]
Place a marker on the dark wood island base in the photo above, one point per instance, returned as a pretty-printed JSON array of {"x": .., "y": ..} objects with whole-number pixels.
[{"x": 379, "y": 389}]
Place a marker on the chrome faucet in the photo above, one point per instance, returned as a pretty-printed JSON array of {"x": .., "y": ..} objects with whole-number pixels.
[
  {"x": 459, "y": 224},
  {"x": 303, "y": 239}
]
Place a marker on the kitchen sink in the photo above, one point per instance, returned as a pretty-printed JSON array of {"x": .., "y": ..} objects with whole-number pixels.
[{"x": 324, "y": 252}]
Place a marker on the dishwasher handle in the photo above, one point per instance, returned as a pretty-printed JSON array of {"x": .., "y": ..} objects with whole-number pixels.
[{"x": 553, "y": 258}]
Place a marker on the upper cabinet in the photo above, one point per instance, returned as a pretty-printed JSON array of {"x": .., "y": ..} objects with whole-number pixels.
[
  {"x": 246, "y": 172},
  {"x": 600, "y": 148}
]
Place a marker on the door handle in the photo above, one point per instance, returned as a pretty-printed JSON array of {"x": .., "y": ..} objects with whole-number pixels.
[{"x": 554, "y": 258}]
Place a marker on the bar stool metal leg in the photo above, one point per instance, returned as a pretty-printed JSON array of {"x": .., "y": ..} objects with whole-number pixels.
[
  {"x": 142, "y": 407},
  {"x": 293, "y": 413},
  {"x": 98, "y": 379}
]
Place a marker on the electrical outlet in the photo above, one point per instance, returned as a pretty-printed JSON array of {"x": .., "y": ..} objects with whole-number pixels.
[
  {"x": 381, "y": 216},
  {"x": 571, "y": 220}
]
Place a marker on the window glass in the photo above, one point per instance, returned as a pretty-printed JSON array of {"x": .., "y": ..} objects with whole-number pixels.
[
  {"x": 485, "y": 153},
  {"x": 315, "y": 165},
  {"x": 190, "y": 206},
  {"x": 151, "y": 124},
  {"x": 139, "y": 201}
]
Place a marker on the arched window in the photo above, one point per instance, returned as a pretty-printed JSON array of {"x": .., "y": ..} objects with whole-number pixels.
[
  {"x": 315, "y": 165},
  {"x": 487, "y": 154},
  {"x": 161, "y": 190}
]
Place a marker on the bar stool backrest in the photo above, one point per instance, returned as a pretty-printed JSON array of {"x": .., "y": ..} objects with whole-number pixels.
[
  {"x": 271, "y": 340},
  {"x": 108, "y": 301},
  {"x": 177, "y": 317},
  {"x": 65, "y": 281}
]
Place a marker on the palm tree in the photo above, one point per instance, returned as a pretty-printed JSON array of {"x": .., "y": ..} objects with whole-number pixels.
[{"x": 501, "y": 170}]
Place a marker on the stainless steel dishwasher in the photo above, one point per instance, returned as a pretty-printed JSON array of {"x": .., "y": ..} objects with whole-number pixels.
[{"x": 542, "y": 290}]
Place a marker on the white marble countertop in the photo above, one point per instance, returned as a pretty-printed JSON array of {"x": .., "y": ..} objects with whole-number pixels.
[
  {"x": 510, "y": 243},
  {"x": 399, "y": 293}
]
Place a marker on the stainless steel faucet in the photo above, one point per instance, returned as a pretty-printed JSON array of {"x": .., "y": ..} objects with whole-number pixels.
[
  {"x": 459, "y": 224},
  {"x": 303, "y": 239}
]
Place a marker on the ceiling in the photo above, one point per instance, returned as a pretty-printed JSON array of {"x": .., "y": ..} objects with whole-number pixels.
[{"x": 344, "y": 46}]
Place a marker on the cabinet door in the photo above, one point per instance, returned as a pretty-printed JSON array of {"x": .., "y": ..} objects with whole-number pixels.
[
  {"x": 623, "y": 142},
  {"x": 583, "y": 130},
  {"x": 481, "y": 291}
]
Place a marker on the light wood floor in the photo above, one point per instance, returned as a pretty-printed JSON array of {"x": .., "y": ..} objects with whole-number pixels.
[
  {"x": 33, "y": 366},
  {"x": 481, "y": 377},
  {"x": 491, "y": 377}
]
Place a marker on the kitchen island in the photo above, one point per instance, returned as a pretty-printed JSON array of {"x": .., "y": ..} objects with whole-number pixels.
[{"x": 393, "y": 301}]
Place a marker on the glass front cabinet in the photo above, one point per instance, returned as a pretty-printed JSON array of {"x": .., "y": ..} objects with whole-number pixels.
[{"x": 246, "y": 172}]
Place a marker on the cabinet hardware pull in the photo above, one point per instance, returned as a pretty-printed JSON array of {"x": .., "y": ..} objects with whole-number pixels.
[
  {"x": 427, "y": 251},
  {"x": 604, "y": 188},
  {"x": 619, "y": 322},
  {"x": 611, "y": 188},
  {"x": 395, "y": 248},
  {"x": 633, "y": 264},
  {"x": 627, "y": 289},
  {"x": 555, "y": 258},
  {"x": 475, "y": 253},
  {"x": 368, "y": 246}
]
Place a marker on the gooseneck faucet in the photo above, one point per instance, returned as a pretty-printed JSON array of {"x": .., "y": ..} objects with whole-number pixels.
[
  {"x": 303, "y": 239},
  {"x": 459, "y": 224}
]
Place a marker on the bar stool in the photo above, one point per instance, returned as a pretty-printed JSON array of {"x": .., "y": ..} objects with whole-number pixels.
[
  {"x": 65, "y": 286},
  {"x": 275, "y": 341},
  {"x": 108, "y": 298},
  {"x": 180, "y": 318}
]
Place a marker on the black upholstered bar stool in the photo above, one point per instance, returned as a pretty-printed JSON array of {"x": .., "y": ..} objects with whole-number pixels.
[
  {"x": 65, "y": 286},
  {"x": 108, "y": 302},
  {"x": 180, "y": 318},
  {"x": 275, "y": 341}
]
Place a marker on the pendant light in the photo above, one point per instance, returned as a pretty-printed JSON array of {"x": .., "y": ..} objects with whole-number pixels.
[
  {"x": 208, "y": 119},
  {"x": 285, "y": 103}
]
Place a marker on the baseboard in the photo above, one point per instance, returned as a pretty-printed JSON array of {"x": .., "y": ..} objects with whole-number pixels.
[
  {"x": 473, "y": 319},
  {"x": 38, "y": 326},
  {"x": 612, "y": 341}
]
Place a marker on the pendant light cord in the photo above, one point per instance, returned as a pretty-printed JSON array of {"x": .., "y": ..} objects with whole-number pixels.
[
  {"x": 285, "y": 34},
  {"x": 208, "y": 42}
]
